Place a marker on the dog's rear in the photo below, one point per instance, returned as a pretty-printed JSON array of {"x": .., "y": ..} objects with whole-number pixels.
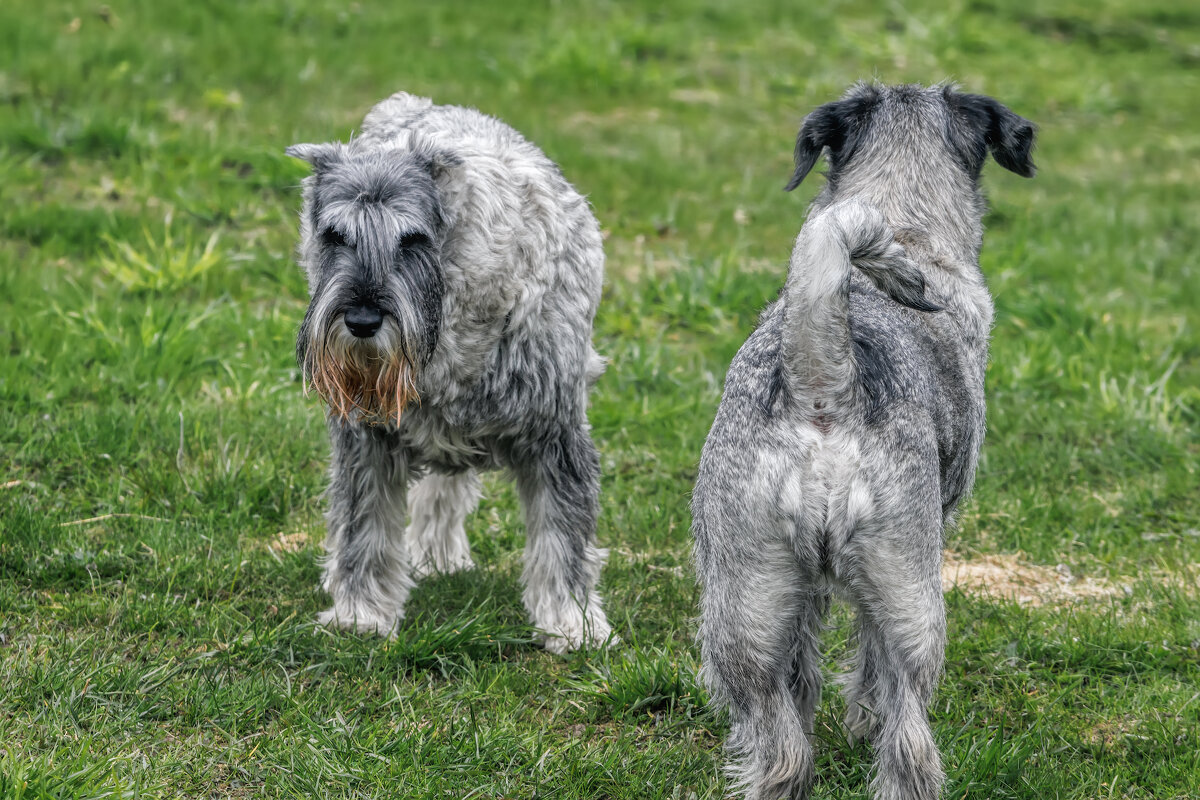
[{"x": 848, "y": 431}]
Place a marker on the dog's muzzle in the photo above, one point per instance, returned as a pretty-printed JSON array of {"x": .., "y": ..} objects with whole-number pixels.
[{"x": 363, "y": 321}]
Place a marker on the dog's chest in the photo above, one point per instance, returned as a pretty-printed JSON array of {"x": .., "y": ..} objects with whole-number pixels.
[{"x": 433, "y": 441}]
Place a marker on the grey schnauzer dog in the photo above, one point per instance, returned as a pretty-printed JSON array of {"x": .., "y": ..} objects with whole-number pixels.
[
  {"x": 848, "y": 433},
  {"x": 454, "y": 276}
]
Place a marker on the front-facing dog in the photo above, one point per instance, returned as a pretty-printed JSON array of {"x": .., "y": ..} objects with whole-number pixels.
[
  {"x": 847, "y": 435},
  {"x": 454, "y": 276}
]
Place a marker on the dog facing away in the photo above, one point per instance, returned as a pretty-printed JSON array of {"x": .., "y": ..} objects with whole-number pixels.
[
  {"x": 454, "y": 276},
  {"x": 848, "y": 432}
]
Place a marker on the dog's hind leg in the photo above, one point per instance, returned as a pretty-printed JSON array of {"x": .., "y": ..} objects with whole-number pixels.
[
  {"x": 436, "y": 538},
  {"x": 806, "y": 655},
  {"x": 558, "y": 478},
  {"x": 859, "y": 685},
  {"x": 759, "y": 643},
  {"x": 366, "y": 565},
  {"x": 897, "y": 586}
]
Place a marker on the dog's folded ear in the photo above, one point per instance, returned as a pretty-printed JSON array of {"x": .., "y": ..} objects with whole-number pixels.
[
  {"x": 320, "y": 156},
  {"x": 440, "y": 161},
  {"x": 437, "y": 160},
  {"x": 822, "y": 128},
  {"x": 1009, "y": 136},
  {"x": 834, "y": 125}
]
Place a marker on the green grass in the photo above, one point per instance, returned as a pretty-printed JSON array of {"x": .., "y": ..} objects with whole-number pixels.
[{"x": 148, "y": 304}]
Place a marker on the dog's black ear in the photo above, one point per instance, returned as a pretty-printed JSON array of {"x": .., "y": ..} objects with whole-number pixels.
[
  {"x": 320, "y": 156},
  {"x": 1008, "y": 136},
  {"x": 834, "y": 125},
  {"x": 821, "y": 129}
]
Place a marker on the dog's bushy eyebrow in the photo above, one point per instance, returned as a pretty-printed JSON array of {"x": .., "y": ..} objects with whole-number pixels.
[{"x": 351, "y": 197}]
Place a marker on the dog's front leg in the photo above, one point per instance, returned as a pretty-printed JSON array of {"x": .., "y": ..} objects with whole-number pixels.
[
  {"x": 366, "y": 566},
  {"x": 558, "y": 478},
  {"x": 436, "y": 538}
]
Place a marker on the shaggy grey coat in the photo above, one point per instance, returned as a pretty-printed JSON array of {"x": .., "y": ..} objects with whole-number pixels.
[
  {"x": 454, "y": 276},
  {"x": 848, "y": 433}
]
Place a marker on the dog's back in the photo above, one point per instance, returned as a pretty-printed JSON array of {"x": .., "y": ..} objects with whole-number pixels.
[
  {"x": 864, "y": 345},
  {"x": 853, "y": 355},
  {"x": 404, "y": 120}
]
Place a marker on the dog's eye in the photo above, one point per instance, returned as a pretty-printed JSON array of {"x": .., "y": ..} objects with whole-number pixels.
[
  {"x": 410, "y": 240},
  {"x": 333, "y": 238}
]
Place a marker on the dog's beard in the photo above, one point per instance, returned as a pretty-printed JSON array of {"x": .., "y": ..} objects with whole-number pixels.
[{"x": 370, "y": 381}]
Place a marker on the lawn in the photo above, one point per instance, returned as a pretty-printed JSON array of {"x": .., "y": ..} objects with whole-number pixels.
[{"x": 161, "y": 469}]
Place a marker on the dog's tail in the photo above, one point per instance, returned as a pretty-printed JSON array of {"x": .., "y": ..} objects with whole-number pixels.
[{"x": 817, "y": 354}]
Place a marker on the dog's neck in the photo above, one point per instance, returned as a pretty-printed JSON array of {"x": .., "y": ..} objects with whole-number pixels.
[{"x": 949, "y": 221}]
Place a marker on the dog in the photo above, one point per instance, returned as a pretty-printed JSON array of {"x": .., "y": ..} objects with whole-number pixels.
[
  {"x": 454, "y": 276},
  {"x": 847, "y": 435}
]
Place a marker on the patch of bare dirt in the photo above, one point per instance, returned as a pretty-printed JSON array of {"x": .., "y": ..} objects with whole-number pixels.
[
  {"x": 1108, "y": 732},
  {"x": 1005, "y": 576},
  {"x": 290, "y": 542}
]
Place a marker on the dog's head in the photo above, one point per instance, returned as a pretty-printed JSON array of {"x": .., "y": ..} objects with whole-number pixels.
[
  {"x": 886, "y": 131},
  {"x": 372, "y": 230}
]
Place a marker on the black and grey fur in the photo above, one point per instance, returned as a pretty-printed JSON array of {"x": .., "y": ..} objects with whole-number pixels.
[
  {"x": 451, "y": 263},
  {"x": 848, "y": 433}
]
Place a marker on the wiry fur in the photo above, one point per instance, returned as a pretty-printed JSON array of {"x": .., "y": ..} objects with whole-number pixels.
[
  {"x": 847, "y": 435},
  {"x": 486, "y": 266}
]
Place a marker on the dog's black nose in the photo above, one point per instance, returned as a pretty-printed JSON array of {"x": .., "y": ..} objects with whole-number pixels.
[{"x": 363, "y": 321}]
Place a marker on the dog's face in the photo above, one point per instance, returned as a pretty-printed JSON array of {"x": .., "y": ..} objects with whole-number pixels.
[
  {"x": 873, "y": 129},
  {"x": 371, "y": 234}
]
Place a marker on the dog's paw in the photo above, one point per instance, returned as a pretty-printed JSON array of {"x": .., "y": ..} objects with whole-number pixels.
[
  {"x": 436, "y": 547},
  {"x": 427, "y": 564},
  {"x": 360, "y": 619},
  {"x": 859, "y": 722},
  {"x": 575, "y": 631}
]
